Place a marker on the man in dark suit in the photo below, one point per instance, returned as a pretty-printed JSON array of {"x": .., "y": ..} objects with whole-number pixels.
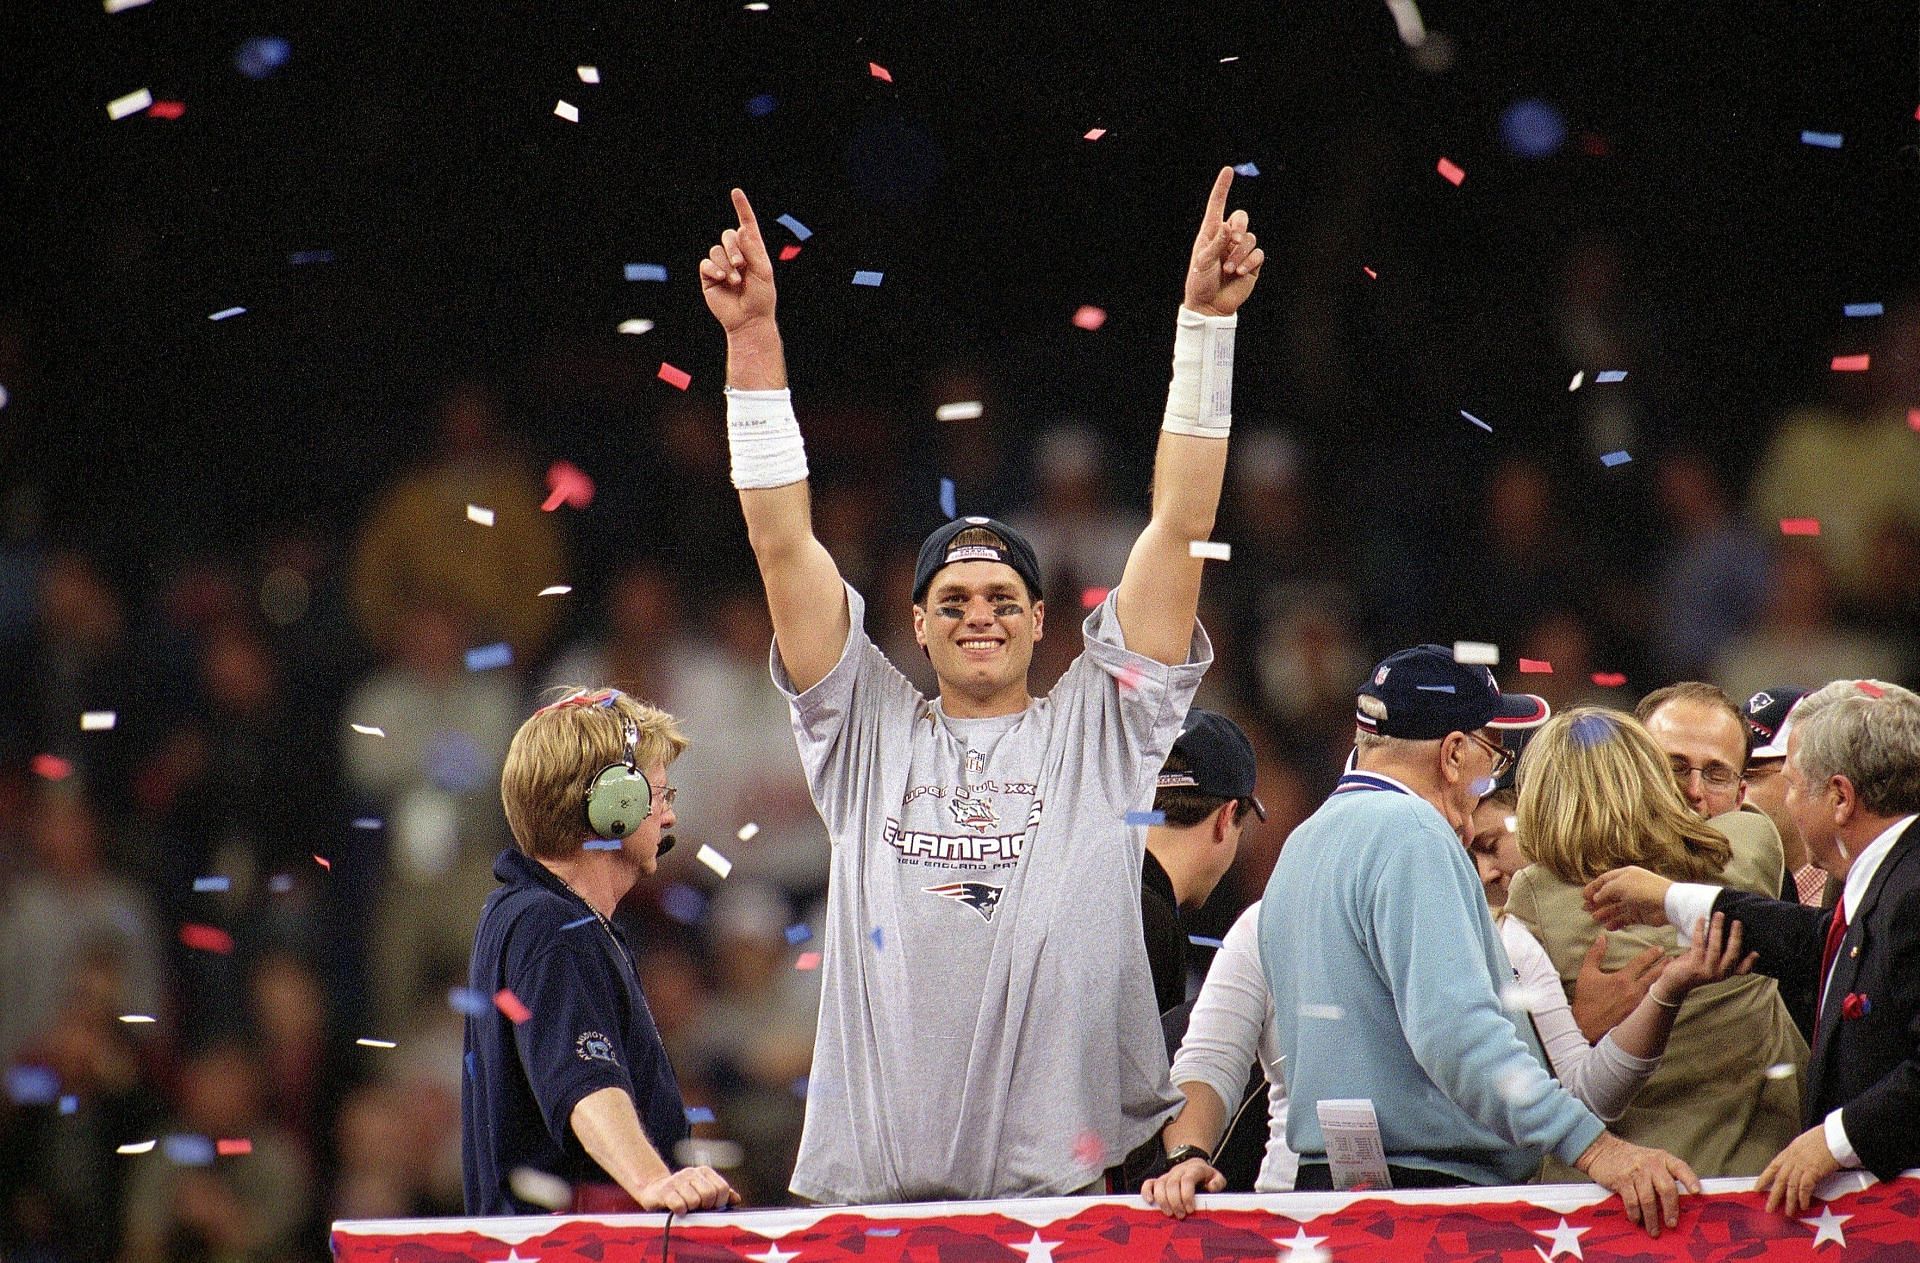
[{"x": 1853, "y": 788}]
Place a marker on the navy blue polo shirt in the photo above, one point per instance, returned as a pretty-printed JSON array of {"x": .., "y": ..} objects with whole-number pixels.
[{"x": 590, "y": 1029}]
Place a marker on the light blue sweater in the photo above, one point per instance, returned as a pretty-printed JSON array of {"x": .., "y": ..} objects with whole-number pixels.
[{"x": 1386, "y": 976}]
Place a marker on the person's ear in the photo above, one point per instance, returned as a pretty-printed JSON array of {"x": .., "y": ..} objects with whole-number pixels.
[
  {"x": 1846, "y": 801},
  {"x": 920, "y": 625},
  {"x": 1452, "y": 757},
  {"x": 1223, "y": 820},
  {"x": 1039, "y": 619}
]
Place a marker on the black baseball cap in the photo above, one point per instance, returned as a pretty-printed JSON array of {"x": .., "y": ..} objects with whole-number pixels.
[
  {"x": 1219, "y": 759},
  {"x": 1422, "y": 694},
  {"x": 939, "y": 551},
  {"x": 1766, "y": 715}
]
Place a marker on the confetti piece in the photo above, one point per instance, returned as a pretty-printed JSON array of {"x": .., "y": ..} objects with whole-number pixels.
[
  {"x": 567, "y": 111},
  {"x": 1324, "y": 1012},
  {"x": 557, "y": 589},
  {"x": 367, "y": 822},
  {"x": 188, "y": 1150},
  {"x": 1535, "y": 666},
  {"x": 756, "y": 6},
  {"x": 1799, "y": 526},
  {"x": 368, "y": 730},
  {"x": 1476, "y": 653},
  {"x": 789, "y": 252},
  {"x": 1210, "y": 550},
  {"x": 1781, "y": 1070},
  {"x": 233, "y": 1147},
  {"x": 1129, "y": 678},
  {"x": 1913, "y": 419},
  {"x": 747, "y": 831},
  {"x": 212, "y": 885},
  {"x": 588, "y": 74},
  {"x": 1090, "y": 597},
  {"x": 798, "y": 934},
  {"x": 1869, "y": 688},
  {"x": 1610, "y": 375},
  {"x": 879, "y": 72},
  {"x": 279, "y": 883},
  {"x": 468, "y": 1002},
  {"x": 575, "y": 924},
  {"x": 509, "y": 1004},
  {"x": 764, "y": 104},
  {"x": 1823, "y": 140},
  {"x": 600, "y": 844},
  {"x": 1864, "y": 309},
  {"x": 540, "y": 1188},
  {"x": 490, "y": 657},
  {"x": 1371, "y": 274},
  {"x": 1476, "y": 420},
  {"x": 1435, "y": 688},
  {"x": 32, "y": 1085},
  {"x": 1145, "y": 817},
  {"x": 645, "y": 271},
  {"x": 1514, "y": 999},
  {"x": 228, "y": 313},
  {"x": 869, "y": 279},
  {"x": 138, "y": 1147},
  {"x": 683, "y": 903},
  {"x": 1510, "y": 823},
  {"x": 883, "y": 1232},
  {"x": 69, "y": 1104},
  {"x": 1613, "y": 460},
  {"x": 1578, "y": 378},
  {"x": 167, "y": 109},
  {"x": 1225, "y": 60},
  {"x": 365, "y": 1042},
  {"x": 636, "y": 326},
  {"x": 131, "y": 103},
  {"x": 567, "y": 485},
  {"x": 259, "y": 57},
  {"x": 964, "y": 410},
  {"x": 1090, "y": 1151},
  {"x": 207, "y": 938},
  {"x": 699, "y": 1114},
  {"x": 1094, "y": 133},
  {"x": 947, "y": 505},
  {"x": 138, "y": 1019},
  {"x": 51, "y": 767},
  {"x": 1609, "y": 679},
  {"x": 96, "y": 720},
  {"x": 879, "y": 940},
  {"x": 1089, "y": 317},
  {"x": 1450, "y": 171},
  {"x": 807, "y": 962},
  {"x": 479, "y": 515},
  {"x": 121, "y": 6},
  {"x": 677, "y": 378},
  {"x": 714, "y": 860},
  {"x": 1852, "y": 363},
  {"x": 3, "y": 396},
  {"x": 323, "y": 862},
  {"x": 1201, "y": 940},
  {"x": 794, "y": 226},
  {"x": 1246, "y": 169}
]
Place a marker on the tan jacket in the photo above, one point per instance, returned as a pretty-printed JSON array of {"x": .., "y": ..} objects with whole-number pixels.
[{"x": 1721, "y": 1099}]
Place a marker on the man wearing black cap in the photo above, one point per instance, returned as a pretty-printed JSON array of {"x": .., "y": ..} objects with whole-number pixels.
[
  {"x": 985, "y": 1029},
  {"x": 1769, "y": 715},
  {"x": 1386, "y": 973}
]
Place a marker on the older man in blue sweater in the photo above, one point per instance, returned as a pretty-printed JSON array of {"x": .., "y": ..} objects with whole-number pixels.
[{"x": 1386, "y": 971}]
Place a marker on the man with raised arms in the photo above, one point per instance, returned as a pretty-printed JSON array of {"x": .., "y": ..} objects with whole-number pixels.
[{"x": 986, "y": 1026}]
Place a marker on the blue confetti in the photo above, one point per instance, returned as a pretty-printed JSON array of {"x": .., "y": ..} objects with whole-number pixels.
[
  {"x": 600, "y": 844},
  {"x": 1476, "y": 420},
  {"x": 798, "y": 934},
  {"x": 69, "y": 1104},
  {"x": 1823, "y": 140},
  {"x": 868, "y": 278},
  {"x": 259, "y": 57},
  {"x": 368, "y": 822},
  {"x": 1613, "y": 460},
  {"x": 188, "y": 1150},
  {"x": 469, "y": 1059},
  {"x": 226, "y": 313},
  {"x": 1435, "y": 688},
  {"x": 799, "y": 1087},
  {"x": 487, "y": 657},
  {"x": 1590, "y": 730},
  {"x": 798, "y": 229},
  {"x": 1610, "y": 375},
  {"x": 470, "y": 1003},
  {"x": 574, "y": 925},
  {"x": 762, "y": 105},
  {"x": 699, "y": 1114},
  {"x": 1201, "y": 940},
  {"x": 212, "y": 885},
  {"x": 646, "y": 272},
  {"x": 1482, "y": 786},
  {"x": 32, "y": 1085},
  {"x": 879, "y": 940},
  {"x": 299, "y": 257},
  {"x": 1864, "y": 309},
  {"x": 280, "y": 883},
  {"x": 948, "y": 503},
  {"x": 683, "y": 903},
  {"x": 454, "y": 762},
  {"x": 1246, "y": 168},
  {"x": 1146, "y": 817},
  {"x": 1533, "y": 128}
]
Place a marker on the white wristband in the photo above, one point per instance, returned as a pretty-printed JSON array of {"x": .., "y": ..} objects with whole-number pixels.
[
  {"x": 763, "y": 437},
  {"x": 1200, "y": 399}
]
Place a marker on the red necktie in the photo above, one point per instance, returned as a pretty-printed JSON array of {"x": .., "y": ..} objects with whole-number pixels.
[{"x": 1836, "y": 931}]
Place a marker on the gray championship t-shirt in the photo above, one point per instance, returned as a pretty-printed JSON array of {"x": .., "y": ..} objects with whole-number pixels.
[{"x": 987, "y": 1022}]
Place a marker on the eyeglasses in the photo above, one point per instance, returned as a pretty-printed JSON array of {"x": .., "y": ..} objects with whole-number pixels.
[
  {"x": 664, "y": 794},
  {"x": 1718, "y": 775},
  {"x": 1502, "y": 757}
]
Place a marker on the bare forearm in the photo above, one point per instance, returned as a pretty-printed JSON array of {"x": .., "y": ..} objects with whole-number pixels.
[
  {"x": 1160, "y": 590},
  {"x": 609, "y": 1130},
  {"x": 1643, "y": 1032},
  {"x": 755, "y": 360},
  {"x": 1201, "y": 1121}
]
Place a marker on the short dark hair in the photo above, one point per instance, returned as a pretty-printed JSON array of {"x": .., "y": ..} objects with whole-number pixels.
[
  {"x": 1182, "y": 806},
  {"x": 991, "y": 539}
]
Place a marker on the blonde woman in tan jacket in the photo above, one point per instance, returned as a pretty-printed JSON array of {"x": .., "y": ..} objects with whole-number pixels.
[{"x": 1596, "y": 793}]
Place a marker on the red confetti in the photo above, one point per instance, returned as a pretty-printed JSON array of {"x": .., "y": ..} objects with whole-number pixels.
[
  {"x": 1609, "y": 679},
  {"x": 1450, "y": 171},
  {"x": 1913, "y": 420},
  {"x": 323, "y": 862},
  {"x": 879, "y": 72},
  {"x": 1094, "y": 133},
  {"x": 1092, "y": 597},
  {"x": 1535, "y": 666},
  {"x": 789, "y": 252},
  {"x": 232, "y": 1148},
  {"x": 807, "y": 962},
  {"x": 509, "y": 1004},
  {"x": 1089, "y": 317},
  {"x": 1371, "y": 274},
  {"x": 166, "y": 109},
  {"x": 207, "y": 938},
  {"x": 1130, "y": 678},
  {"x": 1799, "y": 526},
  {"x": 568, "y": 486},
  {"x": 51, "y": 767},
  {"x": 1089, "y": 1150},
  {"x": 1869, "y": 688},
  {"x": 678, "y": 378},
  {"x": 1851, "y": 363}
]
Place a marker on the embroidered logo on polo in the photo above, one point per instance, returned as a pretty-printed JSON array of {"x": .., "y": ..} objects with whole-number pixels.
[
  {"x": 978, "y": 895},
  {"x": 593, "y": 1046}
]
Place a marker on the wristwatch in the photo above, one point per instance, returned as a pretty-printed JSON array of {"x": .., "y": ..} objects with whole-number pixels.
[{"x": 1184, "y": 1152}]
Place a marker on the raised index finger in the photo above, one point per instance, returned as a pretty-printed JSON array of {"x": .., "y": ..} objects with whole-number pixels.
[
  {"x": 744, "y": 209},
  {"x": 1217, "y": 200}
]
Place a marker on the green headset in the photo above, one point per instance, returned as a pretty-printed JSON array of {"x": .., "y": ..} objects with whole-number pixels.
[{"x": 619, "y": 797}]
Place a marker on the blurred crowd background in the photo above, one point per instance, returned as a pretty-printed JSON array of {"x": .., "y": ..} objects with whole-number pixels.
[{"x": 244, "y": 536}]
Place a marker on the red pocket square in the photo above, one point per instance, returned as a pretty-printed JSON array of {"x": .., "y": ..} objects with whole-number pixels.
[{"x": 1855, "y": 1005}]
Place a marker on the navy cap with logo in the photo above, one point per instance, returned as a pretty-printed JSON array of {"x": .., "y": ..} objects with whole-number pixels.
[
  {"x": 1422, "y": 694},
  {"x": 1218, "y": 756},
  {"x": 1766, "y": 714},
  {"x": 939, "y": 551}
]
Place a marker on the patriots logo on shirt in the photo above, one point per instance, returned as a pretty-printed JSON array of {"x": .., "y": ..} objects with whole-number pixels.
[
  {"x": 974, "y": 813},
  {"x": 977, "y": 895}
]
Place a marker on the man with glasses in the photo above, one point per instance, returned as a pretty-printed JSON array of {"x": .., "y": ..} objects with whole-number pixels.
[
  {"x": 1386, "y": 972},
  {"x": 1705, "y": 738}
]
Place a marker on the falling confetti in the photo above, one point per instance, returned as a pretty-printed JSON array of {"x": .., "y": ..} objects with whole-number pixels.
[
  {"x": 490, "y": 657},
  {"x": 1578, "y": 379},
  {"x": 509, "y": 1004},
  {"x": 1450, "y": 171},
  {"x": 762, "y": 105},
  {"x": 878, "y": 939},
  {"x": 1799, "y": 526},
  {"x": 1094, "y": 133},
  {"x": 964, "y": 410},
  {"x": 1247, "y": 169},
  {"x": 1145, "y": 817},
  {"x": 1089, "y": 317},
  {"x": 366, "y": 1042},
  {"x": 121, "y": 6},
  {"x": 1864, "y": 309},
  {"x": 719, "y": 863},
  {"x": 132, "y": 103},
  {"x": 947, "y": 500},
  {"x": 138, "y": 1019},
  {"x": 138, "y": 1147},
  {"x": 683, "y": 903},
  {"x": 212, "y": 885},
  {"x": 1781, "y": 1070},
  {"x": 97, "y": 720},
  {"x": 1613, "y": 460},
  {"x": 747, "y": 831},
  {"x": 556, "y": 589},
  {"x": 870, "y": 279},
  {"x": 1869, "y": 688},
  {"x": 636, "y": 326},
  {"x": 300, "y": 258},
  {"x": 188, "y": 1150},
  {"x": 789, "y": 252},
  {"x": 261, "y": 56},
  {"x": 228, "y": 313},
  {"x": 540, "y": 1188},
  {"x": 1535, "y": 666},
  {"x": 233, "y": 1147},
  {"x": 467, "y": 1002},
  {"x": 368, "y": 730},
  {"x": 806, "y": 962},
  {"x": 280, "y": 883},
  {"x": 677, "y": 378},
  {"x": 323, "y": 862},
  {"x": 51, "y": 767},
  {"x": 1476, "y": 420},
  {"x": 1610, "y": 375},
  {"x": 699, "y": 1114},
  {"x": 645, "y": 271},
  {"x": 798, "y": 934},
  {"x": 1436, "y": 688},
  {"x": 479, "y": 515},
  {"x": 567, "y": 485},
  {"x": 879, "y": 72},
  {"x": 1201, "y": 940},
  {"x": 207, "y": 938},
  {"x": 567, "y": 110},
  {"x": 1609, "y": 679},
  {"x": 167, "y": 109},
  {"x": 1823, "y": 140},
  {"x": 588, "y": 74},
  {"x": 1090, "y": 1151},
  {"x": 794, "y": 226},
  {"x": 32, "y": 1085},
  {"x": 600, "y": 844},
  {"x": 1209, "y": 550},
  {"x": 1476, "y": 653},
  {"x": 1324, "y": 1012},
  {"x": 1852, "y": 363},
  {"x": 1090, "y": 597},
  {"x": 1371, "y": 274}
]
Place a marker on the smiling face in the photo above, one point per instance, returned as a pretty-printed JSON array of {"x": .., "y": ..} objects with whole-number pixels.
[{"x": 978, "y": 627}]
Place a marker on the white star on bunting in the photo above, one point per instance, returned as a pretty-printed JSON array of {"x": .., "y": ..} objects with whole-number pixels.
[
  {"x": 1301, "y": 1248},
  {"x": 1826, "y": 1227},
  {"x": 1036, "y": 1250},
  {"x": 1565, "y": 1239},
  {"x": 513, "y": 1256},
  {"x": 774, "y": 1254}
]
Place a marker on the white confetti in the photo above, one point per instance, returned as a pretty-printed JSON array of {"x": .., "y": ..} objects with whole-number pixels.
[
  {"x": 1325, "y": 1012},
  {"x": 121, "y": 6},
  {"x": 714, "y": 860},
  {"x": 368, "y": 730},
  {"x": 758, "y": 6},
  {"x": 747, "y": 831},
  {"x": 482, "y": 516},
  {"x": 1514, "y": 999},
  {"x": 1210, "y": 549},
  {"x": 545, "y": 1190},
  {"x": 97, "y": 721},
  {"x": 1407, "y": 21},
  {"x": 1781, "y": 1070},
  {"x": 131, "y": 103},
  {"x": 700, "y": 1151},
  {"x": 569, "y": 112},
  {"x": 558, "y": 589},
  {"x": 136, "y": 1019},
  {"x": 636, "y": 326},
  {"x": 375, "y": 1043},
  {"x": 140, "y": 1146},
  {"x": 965, "y": 410},
  {"x": 1578, "y": 378},
  {"x": 588, "y": 74},
  {"x": 1476, "y": 653},
  {"x": 1510, "y": 823},
  {"x": 228, "y": 313}
]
